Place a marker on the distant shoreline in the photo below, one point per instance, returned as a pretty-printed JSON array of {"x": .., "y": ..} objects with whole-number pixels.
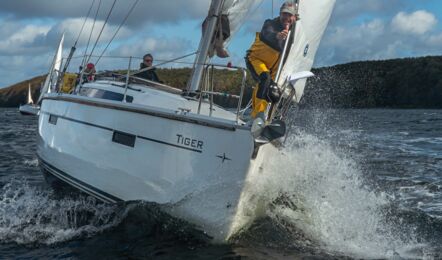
[{"x": 409, "y": 83}]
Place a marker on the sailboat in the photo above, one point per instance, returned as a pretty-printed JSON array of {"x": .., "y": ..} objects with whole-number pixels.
[
  {"x": 121, "y": 140},
  {"x": 29, "y": 108}
]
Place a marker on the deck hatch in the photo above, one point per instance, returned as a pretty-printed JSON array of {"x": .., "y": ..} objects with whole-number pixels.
[
  {"x": 123, "y": 138},
  {"x": 53, "y": 119}
]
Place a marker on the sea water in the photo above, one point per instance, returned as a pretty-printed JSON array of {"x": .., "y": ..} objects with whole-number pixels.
[{"x": 347, "y": 183}]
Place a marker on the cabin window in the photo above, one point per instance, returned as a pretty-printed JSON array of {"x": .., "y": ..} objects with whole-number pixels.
[
  {"x": 104, "y": 94},
  {"x": 53, "y": 119}
]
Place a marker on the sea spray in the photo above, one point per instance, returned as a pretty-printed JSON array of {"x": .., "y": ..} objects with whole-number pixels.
[
  {"x": 322, "y": 192},
  {"x": 29, "y": 215}
]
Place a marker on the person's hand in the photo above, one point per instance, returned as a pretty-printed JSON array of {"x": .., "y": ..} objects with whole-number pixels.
[{"x": 282, "y": 35}]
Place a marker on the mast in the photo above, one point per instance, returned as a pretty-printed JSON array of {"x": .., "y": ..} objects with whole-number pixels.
[{"x": 205, "y": 42}]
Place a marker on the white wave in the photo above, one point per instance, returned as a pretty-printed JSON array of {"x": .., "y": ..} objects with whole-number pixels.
[
  {"x": 29, "y": 215},
  {"x": 329, "y": 201}
]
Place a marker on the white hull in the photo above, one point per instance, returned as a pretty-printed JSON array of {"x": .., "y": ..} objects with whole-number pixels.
[
  {"x": 195, "y": 164},
  {"x": 29, "y": 109},
  {"x": 121, "y": 141}
]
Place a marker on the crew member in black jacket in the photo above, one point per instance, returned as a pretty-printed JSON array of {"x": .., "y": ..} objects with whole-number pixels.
[{"x": 148, "y": 74}]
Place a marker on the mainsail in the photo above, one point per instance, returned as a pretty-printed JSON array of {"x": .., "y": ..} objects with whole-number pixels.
[
  {"x": 236, "y": 11},
  {"x": 314, "y": 15},
  {"x": 54, "y": 71}
]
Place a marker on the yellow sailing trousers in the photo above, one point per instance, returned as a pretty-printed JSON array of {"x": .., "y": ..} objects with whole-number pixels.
[
  {"x": 259, "y": 105},
  {"x": 261, "y": 58}
]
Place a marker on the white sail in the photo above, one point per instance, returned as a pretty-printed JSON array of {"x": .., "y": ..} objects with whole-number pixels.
[
  {"x": 52, "y": 77},
  {"x": 30, "y": 101},
  {"x": 57, "y": 63},
  {"x": 314, "y": 15},
  {"x": 237, "y": 11}
]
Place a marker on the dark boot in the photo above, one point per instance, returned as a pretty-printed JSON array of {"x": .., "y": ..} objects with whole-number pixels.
[
  {"x": 274, "y": 93},
  {"x": 263, "y": 88}
]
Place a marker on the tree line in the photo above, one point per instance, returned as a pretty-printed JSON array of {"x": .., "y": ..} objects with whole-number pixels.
[{"x": 396, "y": 83}]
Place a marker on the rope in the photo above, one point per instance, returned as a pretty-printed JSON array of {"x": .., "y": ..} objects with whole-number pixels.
[
  {"x": 102, "y": 28},
  {"x": 119, "y": 27}
]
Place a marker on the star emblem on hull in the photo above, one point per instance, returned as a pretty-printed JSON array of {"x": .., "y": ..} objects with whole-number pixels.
[{"x": 223, "y": 157}]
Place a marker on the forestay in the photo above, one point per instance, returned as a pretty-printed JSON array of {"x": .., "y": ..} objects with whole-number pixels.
[{"x": 314, "y": 15}]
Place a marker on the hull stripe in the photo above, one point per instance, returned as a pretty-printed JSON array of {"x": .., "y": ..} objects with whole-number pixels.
[
  {"x": 89, "y": 189},
  {"x": 113, "y": 130}
]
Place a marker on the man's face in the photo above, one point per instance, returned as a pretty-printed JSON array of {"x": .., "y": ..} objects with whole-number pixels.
[
  {"x": 287, "y": 19},
  {"x": 148, "y": 61}
]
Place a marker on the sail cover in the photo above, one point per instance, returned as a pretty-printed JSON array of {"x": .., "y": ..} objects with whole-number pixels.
[
  {"x": 54, "y": 71},
  {"x": 314, "y": 15}
]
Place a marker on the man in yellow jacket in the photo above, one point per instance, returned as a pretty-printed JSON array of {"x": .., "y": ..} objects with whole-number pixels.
[{"x": 263, "y": 57}]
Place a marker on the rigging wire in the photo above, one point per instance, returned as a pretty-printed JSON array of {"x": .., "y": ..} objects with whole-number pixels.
[
  {"x": 85, "y": 19},
  {"x": 90, "y": 36},
  {"x": 73, "y": 48},
  {"x": 102, "y": 28},
  {"x": 119, "y": 27}
]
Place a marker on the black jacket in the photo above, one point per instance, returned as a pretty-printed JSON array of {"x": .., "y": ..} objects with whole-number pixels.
[
  {"x": 269, "y": 31},
  {"x": 148, "y": 74}
]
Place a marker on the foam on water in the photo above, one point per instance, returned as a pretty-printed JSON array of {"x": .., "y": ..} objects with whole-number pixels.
[
  {"x": 330, "y": 202},
  {"x": 28, "y": 215},
  {"x": 31, "y": 163}
]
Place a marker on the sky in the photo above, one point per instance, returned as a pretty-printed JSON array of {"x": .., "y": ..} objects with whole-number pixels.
[{"x": 358, "y": 30}]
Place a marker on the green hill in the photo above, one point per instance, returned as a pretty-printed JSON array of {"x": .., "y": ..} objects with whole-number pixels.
[
  {"x": 396, "y": 83},
  {"x": 16, "y": 94}
]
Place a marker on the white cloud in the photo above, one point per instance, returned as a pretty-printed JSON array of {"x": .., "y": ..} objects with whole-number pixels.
[
  {"x": 22, "y": 40},
  {"x": 157, "y": 11},
  {"x": 435, "y": 40},
  {"x": 417, "y": 23},
  {"x": 347, "y": 10},
  {"x": 37, "y": 39},
  {"x": 368, "y": 41},
  {"x": 72, "y": 27},
  {"x": 162, "y": 48}
]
